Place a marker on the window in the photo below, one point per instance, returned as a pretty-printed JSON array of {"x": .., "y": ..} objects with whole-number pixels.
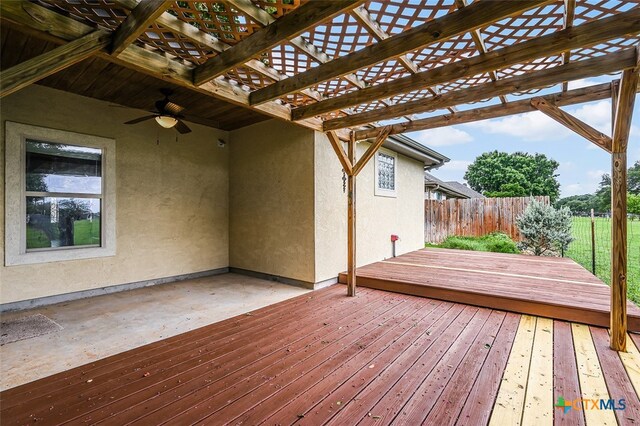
[
  {"x": 386, "y": 171},
  {"x": 60, "y": 203}
]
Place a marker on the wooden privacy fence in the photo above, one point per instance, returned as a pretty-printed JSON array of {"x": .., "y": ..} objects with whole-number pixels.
[{"x": 474, "y": 217}]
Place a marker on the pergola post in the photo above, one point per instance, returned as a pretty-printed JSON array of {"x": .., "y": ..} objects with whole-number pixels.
[
  {"x": 351, "y": 220},
  {"x": 623, "y": 99}
]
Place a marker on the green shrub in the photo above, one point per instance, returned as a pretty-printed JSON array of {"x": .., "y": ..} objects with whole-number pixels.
[
  {"x": 544, "y": 228},
  {"x": 500, "y": 246},
  {"x": 462, "y": 243},
  {"x": 496, "y": 242}
]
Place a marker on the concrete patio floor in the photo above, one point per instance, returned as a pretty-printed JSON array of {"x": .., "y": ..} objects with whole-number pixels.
[{"x": 100, "y": 326}]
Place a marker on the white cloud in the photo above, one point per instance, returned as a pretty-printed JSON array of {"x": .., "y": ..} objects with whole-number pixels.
[
  {"x": 573, "y": 189},
  {"x": 533, "y": 126},
  {"x": 457, "y": 165},
  {"x": 583, "y": 82},
  {"x": 588, "y": 185},
  {"x": 596, "y": 115},
  {"x": 443, "y": 136}
]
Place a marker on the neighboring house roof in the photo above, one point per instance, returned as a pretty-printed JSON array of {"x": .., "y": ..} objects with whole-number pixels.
[
  {"x": 413, "y": 149},
  {"x": 464, "y": 189},
  {"x": 451, "y": 188}
]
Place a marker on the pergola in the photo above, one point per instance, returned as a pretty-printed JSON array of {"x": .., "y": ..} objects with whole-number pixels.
[{"x": 342, "y": 67}]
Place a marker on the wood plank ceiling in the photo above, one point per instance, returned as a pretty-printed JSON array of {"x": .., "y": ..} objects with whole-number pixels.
[{"x": 100, "y": 79}]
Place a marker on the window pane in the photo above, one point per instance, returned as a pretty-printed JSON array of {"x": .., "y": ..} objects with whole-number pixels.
[
  {"x": 386, "y": 172},
  {"x": 62, "y": 222},
  {"x": 53, "y": 167}
]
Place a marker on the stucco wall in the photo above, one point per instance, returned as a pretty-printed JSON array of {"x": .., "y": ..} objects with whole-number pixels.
[
  {"x": 172, "y": 198},
  {"x": 271, "y": 200},
  {"x": 377, "y": 217}
]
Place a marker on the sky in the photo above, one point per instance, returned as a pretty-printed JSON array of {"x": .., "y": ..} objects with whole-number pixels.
[{"x": 581, "y": 162}]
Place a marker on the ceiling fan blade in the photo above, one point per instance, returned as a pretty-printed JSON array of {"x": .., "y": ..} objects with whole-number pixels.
[
  {"x": 182, "y": 128},
  {"x": 173, "y": 109},
  {"x": 141, "y": 119}
]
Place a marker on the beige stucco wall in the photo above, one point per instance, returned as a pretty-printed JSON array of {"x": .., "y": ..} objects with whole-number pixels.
[
  {"x": 377, "y": 217},
  {"x": 172, "y": 198},
  {"x": 271, "y": 200}
]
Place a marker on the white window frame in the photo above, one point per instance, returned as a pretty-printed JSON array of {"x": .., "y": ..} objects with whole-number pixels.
[
  {"x": 380, "y": 192},
  {"x": 16, "y": 252}
]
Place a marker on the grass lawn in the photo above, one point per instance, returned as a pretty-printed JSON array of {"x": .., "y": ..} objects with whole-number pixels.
[
  {"x": 37, "y": 238},
  {"x": 580, "y": 251},
  {"x": 86, "y": 232}
]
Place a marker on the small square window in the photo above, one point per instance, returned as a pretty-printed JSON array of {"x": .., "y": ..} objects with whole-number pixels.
[{"x": 386, "y": 171}]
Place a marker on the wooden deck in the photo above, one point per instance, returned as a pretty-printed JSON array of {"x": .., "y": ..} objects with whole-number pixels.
[
  {"x": 556, "y": 288},
  {"x": 379, "y": 358}
]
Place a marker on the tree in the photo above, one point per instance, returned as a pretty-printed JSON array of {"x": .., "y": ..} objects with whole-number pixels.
[
  {"x": 633, "y": 179},
  {"x": 519, "y": 174},
  {"x": 71, "y": 210},
  {"x": 603, "y": 194},
  {"x": 579, "y": 204},
  {"x": 544, "y": 228},
  {"x": 633, "y": 203},
  {"x": 508, "y": 190}
]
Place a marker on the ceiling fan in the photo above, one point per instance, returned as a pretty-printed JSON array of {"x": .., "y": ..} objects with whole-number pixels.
[{"x": 167, "y": 114}]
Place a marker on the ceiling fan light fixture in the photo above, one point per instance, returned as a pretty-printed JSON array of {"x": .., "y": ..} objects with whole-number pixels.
[{"x": 166, "y": 121}]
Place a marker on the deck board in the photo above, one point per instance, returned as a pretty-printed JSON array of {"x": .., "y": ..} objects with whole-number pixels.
[
  {"x": 556, "y": 288},
  {"x": 565, "y": 374},
  {"x": 379, "y": 358}
]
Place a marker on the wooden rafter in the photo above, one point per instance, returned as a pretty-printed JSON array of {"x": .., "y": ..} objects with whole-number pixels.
[
  {"x": 35, "y": 69},
  {"x": 584, "y": 35},
  {"x": 174, "y": 24},
  {"x": 569, "y": 15},
  {"x": 571, "y": 97},
  {"x": 621, "y": 124},
  {"x": 140, "y": 18},
  {"x": 336, "y": 144},
  {"x": 437, "y": 30},
  {"x": 289, "y": 26},
  {"x": 476, "y": 35},
  {"x": 370, "y": 152},
  {"x": 588, "y": 68},
  {"x": 361, "y": 14},
  {"x": 57, "y": 28},
  {"x": 572, "y": 123},
  {"x": 264, "y": 19}
]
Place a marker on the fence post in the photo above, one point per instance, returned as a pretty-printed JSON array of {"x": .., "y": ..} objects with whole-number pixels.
[{"x": 593, "y": 243}]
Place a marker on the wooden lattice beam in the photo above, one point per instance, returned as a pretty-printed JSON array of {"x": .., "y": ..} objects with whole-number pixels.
[
  {"x": 461, "y": 21},
  {"x": 584, "y": 35},
  {"x": 35, "y": 69},
  {"x": 476, "y": 36},
  {"x": 140, "y": 18},
  {"x": 572, "y": 123},
  {"x": 289, "y": 26},
  {"x": 58, "y": 28},
  {"x": 571, "y": 97},
  {"x": 569, "y": 15},
  {"x": 178, "y": 26},
  {"x": 605, "y": 64},
  {"x": 621, "y": 128},
  {"x": 264, "y": 19},
  {"x": 361, "y": 14}
]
